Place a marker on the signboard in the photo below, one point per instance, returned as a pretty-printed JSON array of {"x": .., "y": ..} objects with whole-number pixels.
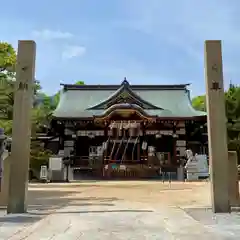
[
  {"x": 114, "y": 166},
  {"x": 162, "y": 132},
  {"x": 181, "y": 143},
  {"x": 90, "y": 133},
  {"x": 43, "y": 172},
  {"x": 1, "y": 131},
  {"x": 123, "y": 167},
  {"x": 68, "y": 143},
  {"x": 55, "y": 163},
  {"x": 181, "y": 131},
  {"x": 144, "y": 145}
]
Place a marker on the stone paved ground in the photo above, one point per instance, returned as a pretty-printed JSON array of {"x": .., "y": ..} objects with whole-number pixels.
[{"x": 119, "y": 210}]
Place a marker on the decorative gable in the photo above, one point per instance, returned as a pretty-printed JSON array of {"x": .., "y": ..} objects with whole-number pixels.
[{"x": 124, "y": 95}]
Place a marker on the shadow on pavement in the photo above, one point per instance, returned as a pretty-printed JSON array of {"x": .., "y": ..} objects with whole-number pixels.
[
  {"x": 49, "y": 201},
  {"x": 42, "y": 202},
  {"x": 61, "y": 185},
  {"x": 108, "y": 211},
  {"x": 54, "y": 199},
  {"x": 206, "y": 216},
  {"x": 98, "y": 211},
  {"x": 19, "y": 219}
]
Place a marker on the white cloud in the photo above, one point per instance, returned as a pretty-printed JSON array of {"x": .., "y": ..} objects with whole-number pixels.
[
  {"x": 73, "y": 51},
  {"x": 48, "y": 35}
]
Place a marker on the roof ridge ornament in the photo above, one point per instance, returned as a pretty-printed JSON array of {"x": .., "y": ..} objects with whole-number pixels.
[
  {"x": 123, "y": 95},
  {"x": 125, "y": 82}
]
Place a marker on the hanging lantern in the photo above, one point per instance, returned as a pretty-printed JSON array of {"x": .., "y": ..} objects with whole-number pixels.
[
  {"x": 151, "y": 151},
  {"x": 91, "y": 135},
  {"x": 144, "y": 145},
  {"x": 158, "y": 136},
  {"x": 119, "y": 132},
  {"x": 175, "y": 136},
  {"x": 120, "y": 129},
  {"x": 104, "y": 145},
  {"x": 114, "y": 131},
  {"x": 131, "y": 132}
]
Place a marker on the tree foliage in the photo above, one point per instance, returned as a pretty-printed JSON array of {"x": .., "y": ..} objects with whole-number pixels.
[
  {"x": 7, "y": 58},
  {"x": 38, "y": 155},
  {"x": 80, "y": 83},
  {"x": 40, "y": 114},
  {"x": 7, "y": 73},
  {"x": 199, "y": 103},
  {"x": 232, "y": 104},
  {"x": 42, "y": 108}
]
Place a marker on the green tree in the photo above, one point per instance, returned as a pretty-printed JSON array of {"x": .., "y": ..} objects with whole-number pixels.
[
  {"x": 38, "y": 155},
  {"x": 6, "y": 99},
  {"x": 39, "y": 114},
  {"x": 80, "y": 83},
  {"x": 7, "y": 59},
  {"x": 7, "y": 73},
  {"x": 232, "y": 103},
  {"x": 7, "y": 80},
  {"x": 199, "y": 103}
]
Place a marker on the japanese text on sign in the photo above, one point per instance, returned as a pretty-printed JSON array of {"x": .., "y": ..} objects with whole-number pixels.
[{"x": 22, "y": 86}]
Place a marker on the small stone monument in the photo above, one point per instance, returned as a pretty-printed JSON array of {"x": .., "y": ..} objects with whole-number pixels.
[
  {"x": 233, "y": 179},
  {"x": 4, "y": 165},
  {"x": 5, "y": 182},
  {"x": 191, "y": 166}
]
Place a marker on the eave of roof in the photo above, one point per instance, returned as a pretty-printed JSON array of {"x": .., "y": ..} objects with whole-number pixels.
[
  {"x": 172, "y": 101},
  {"x": 164, "y": 118},
  {"x": 133, "y": 87}
]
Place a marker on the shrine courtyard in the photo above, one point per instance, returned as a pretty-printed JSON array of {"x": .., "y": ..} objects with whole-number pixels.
[{"x": 120, "y": 210}]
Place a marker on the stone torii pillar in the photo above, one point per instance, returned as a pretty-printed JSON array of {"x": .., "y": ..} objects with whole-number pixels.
[
  {"x": 217, "y": 132},
  {"x": 20, "y": 151}
]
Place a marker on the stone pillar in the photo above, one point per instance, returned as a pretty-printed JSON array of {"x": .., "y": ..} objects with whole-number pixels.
[
  {"x": 233, "y": 179},
  {"x": 217, "y": 133},
  {"x": 23, "y": 99}
]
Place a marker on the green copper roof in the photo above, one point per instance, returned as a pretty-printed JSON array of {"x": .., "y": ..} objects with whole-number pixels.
[
  {"x": 125, "y": 94},
  {"x": 157, "y": 100}
]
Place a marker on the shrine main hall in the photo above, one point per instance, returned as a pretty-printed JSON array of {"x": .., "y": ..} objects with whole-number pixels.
[{"x": 127, "y": 130}]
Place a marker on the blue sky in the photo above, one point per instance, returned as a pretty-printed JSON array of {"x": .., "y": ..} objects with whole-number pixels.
[{"x": 103, "y": 41}]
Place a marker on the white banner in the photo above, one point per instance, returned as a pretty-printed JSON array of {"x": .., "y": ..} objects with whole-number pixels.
[
  {"x": 87, "y": 133},
  {"x": 43, "y": 172},
  {"x": 55, "y": 163}
]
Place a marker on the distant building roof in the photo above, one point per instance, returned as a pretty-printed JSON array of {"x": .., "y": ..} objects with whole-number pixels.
[{"x": 84, "y": 101}]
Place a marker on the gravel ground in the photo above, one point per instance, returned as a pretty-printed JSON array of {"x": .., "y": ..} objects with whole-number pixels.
[{"x": 120, "y": 210}]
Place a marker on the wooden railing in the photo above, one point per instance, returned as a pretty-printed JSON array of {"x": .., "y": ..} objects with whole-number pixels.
[
  {"x": 119, "y": 169},
  {"x": 129, "y": 171},
  {"x": 87, "y": 162}
]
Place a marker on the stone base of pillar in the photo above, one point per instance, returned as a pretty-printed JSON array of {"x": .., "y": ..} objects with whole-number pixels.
[
  {"x": 233, "y": 180},
  {"x": 5, "y": 183}
]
